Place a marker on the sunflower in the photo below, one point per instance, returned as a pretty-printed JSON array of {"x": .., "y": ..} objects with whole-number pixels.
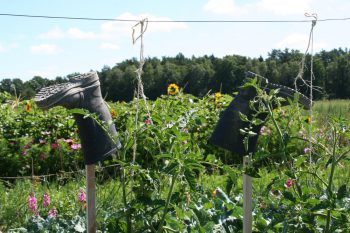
[
  {"x": 28, "y": 106},
  {"x": 173, "y": 89},
  {"x": 217, "y": 97}
]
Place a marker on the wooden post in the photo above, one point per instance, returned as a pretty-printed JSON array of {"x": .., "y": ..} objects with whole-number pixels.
[
  {"x": 91, "y": 204},
  {"x": 247, "y": 198}
]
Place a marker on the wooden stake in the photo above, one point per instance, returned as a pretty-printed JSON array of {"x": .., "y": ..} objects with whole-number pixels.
[
  {"x": 91, "y": 204},
  {"x": 247, "y": 198}
]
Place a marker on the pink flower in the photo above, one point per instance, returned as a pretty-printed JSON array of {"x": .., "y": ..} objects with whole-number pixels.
[
  {"x": 47, "y": 200},
  {"x": 289, "y": 183},
  {"x": 307, "y": 150},
  {"x": 52, "y": 213},
  {"x": 68, "y": 141},
  {"x": 32, "y": 203},
  {"x": 265, "y": 131},
  {"x": 54, "y": 146},
  {"x": 26, "y": 147},
  {"x": 75, "y": 146},
  {"x": 148, "y": 121},
  {"x": 42, "y": 141},
  {"x": 81, "y": 196},
  {"x": 23, "y": 152}
]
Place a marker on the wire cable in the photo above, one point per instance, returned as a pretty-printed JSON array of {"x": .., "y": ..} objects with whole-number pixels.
[{"x": 170, "y": 21}]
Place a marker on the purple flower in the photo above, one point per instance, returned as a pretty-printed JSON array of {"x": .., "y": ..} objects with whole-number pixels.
[
  {"x": 32, "y": 203},
  {"x": 54, "y": 146},
  {"x": 148, "y": 121},
  {"x": 52, "y": 213},
  {"x": 81, "y": 196},
  {"x": 75, "y": 146},
  {"x": 307, "y": 150},
  {"x": 26, "y": 147},
  {"x": 23, "y": 152},
  {"x": 47, "y": 200}
]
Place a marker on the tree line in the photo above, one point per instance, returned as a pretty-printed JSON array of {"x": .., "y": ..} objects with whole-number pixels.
[{"x": 202, "y": 75}]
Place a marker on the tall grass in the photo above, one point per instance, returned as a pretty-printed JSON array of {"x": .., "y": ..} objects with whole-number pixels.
[{"x": 332, "y": 108}]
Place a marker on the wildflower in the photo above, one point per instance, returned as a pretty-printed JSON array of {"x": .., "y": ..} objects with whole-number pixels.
[
  {"x": 307, "y": 150},
  {"x": 42, "y": 141},
  {"x": 173, "y": 89},
  {"x": 46, "y": 132},
  {"x": 26, "y": 147},
  {"x": 308, "y": 120},
  {"x": 54, "y": 146},
  {"x": 23, "y": 152},
  {"x": 289, "y": 183},
  {"x": 265, "y": 131},
  {"x": 28, "y": 106},
  {"x": 148, "y": 121},
  {"x": 47, "y": 200},
  {"x": 52, "y": 213},
  {"x": 213, "y": 194},
  {"x": 42, "y": 156},
  {"x": 184, "y": 142},
  {"x": 75, "y": 146},
  {"x": 113, "y": 114},
  {"x": 81, "y": 196},
  {"x": 32, "y": 203},
  {"x": 217, "y": 97},
  {"x": 69, "y": 141}
]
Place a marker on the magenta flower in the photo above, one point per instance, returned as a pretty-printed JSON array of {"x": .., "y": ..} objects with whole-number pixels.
[
  {"x": 307, "y": 150},
  {"x": 32, "y": 203},
  {"x": 47, "y": 200},
  {"x": 289, "y": 183},
  {"x": 54, "y": 146},
  {"x": 75, "y": 146},
  {"x": 81, "y": 196},
  {"x": 26, "y": 147},
  {"x": 148, "y": 121},
  {"x": 52, "y": 213}
]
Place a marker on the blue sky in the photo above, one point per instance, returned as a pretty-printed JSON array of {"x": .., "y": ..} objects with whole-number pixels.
[{"x": 53, "y": 47}]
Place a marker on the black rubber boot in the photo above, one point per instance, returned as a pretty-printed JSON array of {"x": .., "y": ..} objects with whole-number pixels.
[
  {"x": 83, "y": 91},
  {"x": 227, "y": 133}
]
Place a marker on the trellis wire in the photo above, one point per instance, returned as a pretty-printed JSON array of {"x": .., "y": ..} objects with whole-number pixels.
[
  {"x": 309, "y": 84},
  {"x": 140, "y": 91}
]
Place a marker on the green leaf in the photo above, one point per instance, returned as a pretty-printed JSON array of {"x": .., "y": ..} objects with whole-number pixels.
[
  {"x": 342, "y": 192},
  {"x": 243, "y": 117},
  {"x": 289, "y": 196}
]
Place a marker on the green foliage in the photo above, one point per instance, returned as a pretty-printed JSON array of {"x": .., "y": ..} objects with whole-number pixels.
[{"x": 166, "y": 178}]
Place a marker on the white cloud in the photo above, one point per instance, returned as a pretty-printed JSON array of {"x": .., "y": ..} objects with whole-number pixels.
[
  {"x": 76, "y": 33},
  {"x": 55, "y": 33},
  {"x": 277, "y": 7},
  {"x": 44, "y": 49},
  {"x": 285, "y": 7},
  {"x": 2, "y": 49},
  {"x": 299, "y": 41},
  {"x": 221, "y": 6},
  {"x": 109, "y": 46}
]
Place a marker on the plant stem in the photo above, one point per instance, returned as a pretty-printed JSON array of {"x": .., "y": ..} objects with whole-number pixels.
[
  {"x": 173, "y": 180},
  {"x": 330, "y": 183}
]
